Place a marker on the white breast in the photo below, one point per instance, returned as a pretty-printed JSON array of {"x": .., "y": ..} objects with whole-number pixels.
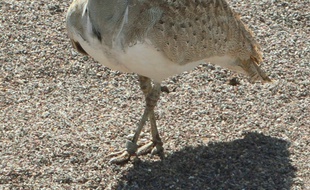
[{"x": 146, "y": 60}]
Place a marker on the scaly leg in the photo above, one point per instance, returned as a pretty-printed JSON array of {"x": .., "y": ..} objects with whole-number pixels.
[{"x": 152, "y": 95}]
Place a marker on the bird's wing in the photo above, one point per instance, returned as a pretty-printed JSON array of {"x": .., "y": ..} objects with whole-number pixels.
[{"x": 193, "y": 30}]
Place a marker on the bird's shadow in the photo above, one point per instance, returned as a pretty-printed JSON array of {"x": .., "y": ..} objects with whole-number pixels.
[{"x": 254, "y": 162}]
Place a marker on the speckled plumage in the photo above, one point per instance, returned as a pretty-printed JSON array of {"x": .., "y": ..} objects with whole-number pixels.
[{"x": 187, "y": 30}]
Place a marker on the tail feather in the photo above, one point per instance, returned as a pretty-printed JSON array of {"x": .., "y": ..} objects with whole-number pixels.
[{"x": 254, "y": 71}]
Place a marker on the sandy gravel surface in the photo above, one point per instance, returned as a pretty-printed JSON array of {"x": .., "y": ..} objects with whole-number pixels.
[{"x": 61, "y": 113}]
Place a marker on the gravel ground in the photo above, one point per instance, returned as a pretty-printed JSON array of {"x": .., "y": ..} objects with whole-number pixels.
[{"x": 61, "y": 113}]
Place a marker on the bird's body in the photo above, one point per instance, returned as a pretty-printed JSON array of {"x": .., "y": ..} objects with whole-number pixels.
[
  {"x": 157, "y": 39},
  {"x": 162, "y": 38}
]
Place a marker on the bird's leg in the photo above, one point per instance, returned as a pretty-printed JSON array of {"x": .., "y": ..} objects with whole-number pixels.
[
  {"x": 151, "y": 96},
  {"x": 131, "y": 146},
  {"x": 156, "y": 146}
]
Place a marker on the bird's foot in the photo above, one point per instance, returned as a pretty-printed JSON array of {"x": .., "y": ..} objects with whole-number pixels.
[
  {"x": 153, "y": 148},
  {"x": 132, "y": 150},
  {"x": 123, "y": 158},
  {"x": 125, "y": 155}
]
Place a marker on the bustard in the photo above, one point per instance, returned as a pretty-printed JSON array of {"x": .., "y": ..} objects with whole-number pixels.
[{"x": 157, "y": 39}]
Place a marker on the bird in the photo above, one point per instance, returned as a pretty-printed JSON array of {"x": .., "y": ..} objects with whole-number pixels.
[{"x": 157, "y": 39}]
